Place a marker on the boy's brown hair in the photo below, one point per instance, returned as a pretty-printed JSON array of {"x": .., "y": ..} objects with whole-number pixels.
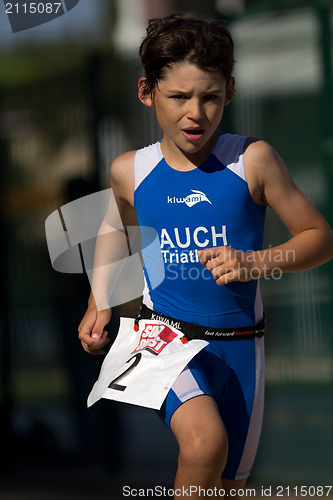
[{"x": 184, "y": 37}]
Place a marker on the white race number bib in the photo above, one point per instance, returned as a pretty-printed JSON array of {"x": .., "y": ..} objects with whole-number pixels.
[{"x": 142, "y": 365}]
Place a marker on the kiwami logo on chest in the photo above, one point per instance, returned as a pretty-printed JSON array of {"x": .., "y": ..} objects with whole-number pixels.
[{"x": 191, "y": 199}]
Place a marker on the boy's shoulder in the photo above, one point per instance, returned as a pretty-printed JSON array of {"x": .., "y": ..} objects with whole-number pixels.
[
  {"x": 259, "y": 156},
  {"x": 258, "y": 148},
  {"x": 265, "y": 169},
  {"x": 124, "y": 159},
  {"x": 122, "y": 175},
  {"x": 122, "y": 165},
  {"x": 129, "y": 157}
]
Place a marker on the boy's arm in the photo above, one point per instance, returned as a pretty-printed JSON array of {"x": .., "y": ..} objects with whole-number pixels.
[
  {"x": 110, "y": 247},
  {"x": 311, "y": 242}
]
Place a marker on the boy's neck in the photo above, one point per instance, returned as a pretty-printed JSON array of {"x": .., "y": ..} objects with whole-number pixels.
[{"x": 183, "y": 161}]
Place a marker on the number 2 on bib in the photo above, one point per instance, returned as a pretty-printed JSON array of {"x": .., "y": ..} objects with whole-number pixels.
[{"x": 114, "y": 384}]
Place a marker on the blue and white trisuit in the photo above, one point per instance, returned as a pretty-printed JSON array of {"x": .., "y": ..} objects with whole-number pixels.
[{"x": 206, "y": 207}]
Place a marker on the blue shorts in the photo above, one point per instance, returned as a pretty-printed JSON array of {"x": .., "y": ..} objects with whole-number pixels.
[{"x": 232, "y": 372}]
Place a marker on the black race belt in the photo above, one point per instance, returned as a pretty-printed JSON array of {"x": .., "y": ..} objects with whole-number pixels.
[{"x": 194, "y": 331}]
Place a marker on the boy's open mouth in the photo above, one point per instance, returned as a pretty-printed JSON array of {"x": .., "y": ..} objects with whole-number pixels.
[{"x": 193, "y": 131}]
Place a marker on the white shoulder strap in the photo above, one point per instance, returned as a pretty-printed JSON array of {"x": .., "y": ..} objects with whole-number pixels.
[
  {"x": 229, "y": 151},
  {"x": 145, "y": 161}
]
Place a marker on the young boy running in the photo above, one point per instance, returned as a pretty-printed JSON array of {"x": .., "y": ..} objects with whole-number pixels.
[{"x": 205, "y": 194}]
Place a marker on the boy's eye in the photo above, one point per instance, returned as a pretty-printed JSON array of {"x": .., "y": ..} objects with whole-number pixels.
[
  {"x": 179, "y": 97},
  {"x": 210, "y": 97},
  {"x": 205, "y": 98}
]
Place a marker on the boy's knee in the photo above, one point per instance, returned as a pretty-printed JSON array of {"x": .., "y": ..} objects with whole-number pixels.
[{"x": 205, "y": 448}]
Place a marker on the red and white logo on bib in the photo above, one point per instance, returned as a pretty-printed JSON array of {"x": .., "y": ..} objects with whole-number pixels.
[{"x": 154, "y": 338}]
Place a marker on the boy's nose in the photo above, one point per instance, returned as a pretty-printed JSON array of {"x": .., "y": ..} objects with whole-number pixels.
[{"x": 195, "y": 109}]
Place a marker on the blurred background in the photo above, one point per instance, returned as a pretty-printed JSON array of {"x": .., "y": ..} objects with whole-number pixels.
[{"x": 68, "y": 107}]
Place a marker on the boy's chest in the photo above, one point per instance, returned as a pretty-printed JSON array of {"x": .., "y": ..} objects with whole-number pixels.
[{"x": 191, "y": 200}]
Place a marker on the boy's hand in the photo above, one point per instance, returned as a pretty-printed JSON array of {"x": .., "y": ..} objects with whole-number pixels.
[
  {"x": 91, "y": 330},
  {"x": 227, "y": 264}
]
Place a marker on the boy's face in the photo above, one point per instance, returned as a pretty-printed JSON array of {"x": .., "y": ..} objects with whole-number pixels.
[{"x": 189, "y": 105}]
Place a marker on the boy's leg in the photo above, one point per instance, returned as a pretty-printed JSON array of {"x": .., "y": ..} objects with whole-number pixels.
[{"x": 203, "y": 445}]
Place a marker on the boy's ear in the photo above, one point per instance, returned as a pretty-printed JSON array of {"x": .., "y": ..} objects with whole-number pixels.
[
  {"x": 146, "y": 99},
  {"x": 230, "y": 91}
]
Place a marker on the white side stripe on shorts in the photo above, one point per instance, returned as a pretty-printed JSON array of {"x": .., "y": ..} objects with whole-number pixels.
[{"x": 185, "y": 386}]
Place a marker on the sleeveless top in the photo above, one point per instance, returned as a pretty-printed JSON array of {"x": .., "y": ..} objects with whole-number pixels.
[{"x": 206, "y": 207}]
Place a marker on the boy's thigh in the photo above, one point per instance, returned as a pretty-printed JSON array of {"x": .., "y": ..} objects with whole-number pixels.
[
  {"x": 195, "y": 380},
  {"x": 198, "y": 417},
  {"x": 209, "y": 376}
]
